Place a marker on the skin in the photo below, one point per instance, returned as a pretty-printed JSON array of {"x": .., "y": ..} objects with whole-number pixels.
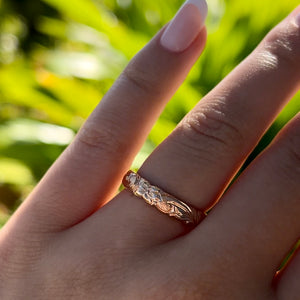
[{"x": 64, "y": 243}]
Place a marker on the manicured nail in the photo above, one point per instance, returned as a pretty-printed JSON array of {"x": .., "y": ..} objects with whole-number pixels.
[{"x": 185, "y": 26}]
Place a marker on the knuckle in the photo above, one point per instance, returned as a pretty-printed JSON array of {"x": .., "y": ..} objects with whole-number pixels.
[
  {"x": 282, "y": 45},
  {"x": 141, "y": 77},
  {"x": 210, "y": 131},
  {"x": 101, "y": 141}
]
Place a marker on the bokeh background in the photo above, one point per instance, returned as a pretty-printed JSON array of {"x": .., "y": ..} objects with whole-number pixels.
[{"x": 58, "y": 58}]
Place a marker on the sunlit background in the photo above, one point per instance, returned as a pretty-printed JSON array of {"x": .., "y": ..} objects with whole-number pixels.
[{"x": 58, "y": 58}]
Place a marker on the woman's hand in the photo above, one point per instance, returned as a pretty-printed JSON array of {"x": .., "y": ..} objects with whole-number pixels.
[{"x": 60, "y": 245}]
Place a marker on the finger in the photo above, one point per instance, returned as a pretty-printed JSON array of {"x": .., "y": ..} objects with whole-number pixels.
[
  {"x": 288, "y": 282},
  {"x": 257, "y": 221},
  {"x": 198, "y": 160},
  {"x": 91, "y": 169},
  {"x": 211, "y": 143}
]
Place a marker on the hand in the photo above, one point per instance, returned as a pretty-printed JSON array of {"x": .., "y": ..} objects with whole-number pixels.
[{"x": 64, "y": 243}]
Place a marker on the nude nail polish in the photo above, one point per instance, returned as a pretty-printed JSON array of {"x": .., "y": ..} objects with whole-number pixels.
[{"x": 185, "y": 26}]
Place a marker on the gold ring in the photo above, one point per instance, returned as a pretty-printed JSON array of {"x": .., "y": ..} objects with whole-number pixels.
[{"x": 163, "y": 201}]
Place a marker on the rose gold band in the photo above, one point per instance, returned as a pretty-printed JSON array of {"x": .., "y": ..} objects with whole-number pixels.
[{"x": 163, "y": 201}]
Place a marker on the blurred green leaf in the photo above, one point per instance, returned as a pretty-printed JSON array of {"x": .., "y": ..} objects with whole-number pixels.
[
  {"x": 15, "y": 172},
  {"x": 95, "y": 16},
  {"x": 18, "y": 85},
  {"x": 30, "y": 131}
]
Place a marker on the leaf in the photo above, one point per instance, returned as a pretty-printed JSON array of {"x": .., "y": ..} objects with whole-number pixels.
[{"x": 13, "y": 171}]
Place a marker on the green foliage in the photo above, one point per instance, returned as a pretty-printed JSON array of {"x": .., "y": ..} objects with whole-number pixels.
[{"x": 58, "y": 58}]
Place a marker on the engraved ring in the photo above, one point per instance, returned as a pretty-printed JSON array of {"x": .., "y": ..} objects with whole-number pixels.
[{"x": 163, "y": 201}]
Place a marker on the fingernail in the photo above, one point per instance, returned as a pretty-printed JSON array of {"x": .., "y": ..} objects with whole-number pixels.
[{"x": 185, "y": 26}]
